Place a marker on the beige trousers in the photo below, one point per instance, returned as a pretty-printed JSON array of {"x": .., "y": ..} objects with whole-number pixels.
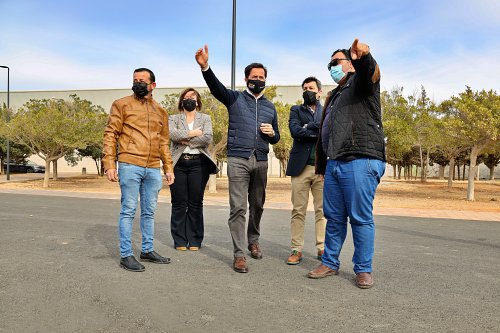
[{"x": 301, "y": 185}]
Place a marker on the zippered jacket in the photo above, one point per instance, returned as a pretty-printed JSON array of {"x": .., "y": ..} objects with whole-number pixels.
[
  {"x": 352, "y": 121},
  {"x": 140, "y": 129},
  {"x": 246, "y": 114}
]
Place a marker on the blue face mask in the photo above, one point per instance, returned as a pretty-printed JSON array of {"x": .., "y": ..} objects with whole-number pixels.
[{"x": 337, "y": 73}]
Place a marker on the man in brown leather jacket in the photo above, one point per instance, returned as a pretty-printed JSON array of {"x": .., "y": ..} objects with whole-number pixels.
[{"x": 139, "y": 125}]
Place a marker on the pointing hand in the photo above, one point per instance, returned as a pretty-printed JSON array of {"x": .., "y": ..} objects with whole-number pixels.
[
  {"x": 201, "y": 57},
  {"x": 359, "y": 49}
]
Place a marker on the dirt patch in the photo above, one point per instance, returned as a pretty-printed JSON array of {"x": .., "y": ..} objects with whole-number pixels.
[{"x": 434, "y": 194}]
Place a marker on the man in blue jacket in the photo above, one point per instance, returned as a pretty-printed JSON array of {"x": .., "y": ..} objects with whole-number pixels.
[
  {"x": 253, "y": 125},
  {"x": 304, "y": 126}
]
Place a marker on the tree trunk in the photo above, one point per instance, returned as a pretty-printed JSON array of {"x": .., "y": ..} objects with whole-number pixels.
[
  {"x": 282, "y": 169},
  {"x": 441, "y": 171},
  {"x": 212, "y": 184},
  {"x": 458, "y": 171},
  {"x": 97, "y": 167},
  {"x": 221, "y": 167},
  {"x": 421, "y": 165},
  {"x": 102, "y": 167},
  {"x": 472, "y": 167},
  {"x": 492, "y": 173},
  {"x": 54, "y": 171},
  {"x": 451, "y": 173},
  {"x": 399, "y": 171},
  {"x": 463, "y": 172},
  {"x": 476, "y": 174},
  {"x": 425, "y": 167},
  {"x": 47, "y": 173},
  {"x": 394, "y": 171}
]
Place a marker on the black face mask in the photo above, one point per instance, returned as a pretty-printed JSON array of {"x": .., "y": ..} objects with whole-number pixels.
[
  {"x": 309, "y": 97},
  {"x": 188, "y": 104},
  {"x": 140, "y": 89},
  {"x": 256, "y": 86}
]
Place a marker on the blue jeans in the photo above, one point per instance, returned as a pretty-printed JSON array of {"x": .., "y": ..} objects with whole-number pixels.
[
  {"x": 147, "y": 182},
  {"x": 349, "y": 190}
]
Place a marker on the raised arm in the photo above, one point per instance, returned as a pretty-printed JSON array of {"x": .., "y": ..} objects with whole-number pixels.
[
  {"x": 366, "y": 67},
  {"x": 220, "y": 92}
]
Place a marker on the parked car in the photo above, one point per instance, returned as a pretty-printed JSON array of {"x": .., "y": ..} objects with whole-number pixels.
[{"x": 23, "y": 167}]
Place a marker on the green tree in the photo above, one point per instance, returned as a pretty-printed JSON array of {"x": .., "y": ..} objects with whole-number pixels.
[
  {"x": 475, "y": 118},
  {"x": 283, "y": 147},
  {"x": 491, "y": 160},
  {"x": 17, "y": 152},
  {"x": 93, "y": 151},
  {"x": 52, "y": 128},
  {"x": 398, "y": 128},
  {"x": 425, "y": 127}
]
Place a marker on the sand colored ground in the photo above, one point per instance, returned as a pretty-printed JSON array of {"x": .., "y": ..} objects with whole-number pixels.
[{"x": 432, "y": 195}]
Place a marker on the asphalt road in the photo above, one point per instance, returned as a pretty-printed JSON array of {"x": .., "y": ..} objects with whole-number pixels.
[{"x": 59, "y": 273}]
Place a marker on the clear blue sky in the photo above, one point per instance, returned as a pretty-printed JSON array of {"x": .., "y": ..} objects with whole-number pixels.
[{"x": 54, "y": 45}]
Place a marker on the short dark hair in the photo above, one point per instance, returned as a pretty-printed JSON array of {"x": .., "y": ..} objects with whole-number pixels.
[
  {"x": 346, "y": 52},
  {"x": 312, "y": 79},
  {"x": 183, "y": 94},
  {"x": 253, "y": 65},
  {"x": 151, "y": 74}
]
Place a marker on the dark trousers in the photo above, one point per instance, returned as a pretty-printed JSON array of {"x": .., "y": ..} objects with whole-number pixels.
[{"x": 187, "y": 191}]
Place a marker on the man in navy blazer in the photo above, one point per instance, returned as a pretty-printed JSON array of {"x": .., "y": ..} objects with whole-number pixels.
[{"x": 304, "y": 126}]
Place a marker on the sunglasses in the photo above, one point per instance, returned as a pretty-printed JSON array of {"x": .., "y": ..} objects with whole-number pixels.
[{"x": 335, "y": 62}]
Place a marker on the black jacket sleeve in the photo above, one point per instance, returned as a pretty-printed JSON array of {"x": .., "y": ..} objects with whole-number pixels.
[
  {"x": 367, "y": 73},
  {"x": 220, "y": 92}
]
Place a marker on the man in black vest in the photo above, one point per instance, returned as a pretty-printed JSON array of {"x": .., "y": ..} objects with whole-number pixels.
[
  {"x": 253, "y": 125},
  {"x": 304, "y": 125},
  {"x": 351, "y": 156}
]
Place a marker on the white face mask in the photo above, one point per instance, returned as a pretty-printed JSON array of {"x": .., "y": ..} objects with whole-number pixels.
[{"x": 336, "y": 73}]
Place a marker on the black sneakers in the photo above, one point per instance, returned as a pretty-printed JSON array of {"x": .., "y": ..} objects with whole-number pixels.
[
  {"x": 154, "y": 257},
  {"x": 131, "y": 264}
]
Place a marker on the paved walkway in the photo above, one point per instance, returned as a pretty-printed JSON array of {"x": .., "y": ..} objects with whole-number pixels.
[{"x": 60, "y": 273}]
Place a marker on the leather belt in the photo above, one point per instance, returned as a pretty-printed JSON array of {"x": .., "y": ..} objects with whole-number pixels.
[{"x": 190, "y": 156}]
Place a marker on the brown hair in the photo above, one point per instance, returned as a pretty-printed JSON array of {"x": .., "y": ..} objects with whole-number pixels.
[
  {"x": 183, "y": 94},
  {"x": 253, "y": 65}
]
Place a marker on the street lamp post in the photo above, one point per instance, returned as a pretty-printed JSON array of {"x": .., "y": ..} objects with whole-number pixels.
[
  {"x": 233, "y": 53},
  {"x": 8, "y": 109}
]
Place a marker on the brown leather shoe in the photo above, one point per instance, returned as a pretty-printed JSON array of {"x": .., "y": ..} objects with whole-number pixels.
[
  {"x": 295, "y": 258},
  {"x": 240, "y": 265},
  {"x": 322, "y": 271},
  {"x": 255, "y": 251},
  {"x": 320, "y": 254},
  {"x": 364, "y": 280}
]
